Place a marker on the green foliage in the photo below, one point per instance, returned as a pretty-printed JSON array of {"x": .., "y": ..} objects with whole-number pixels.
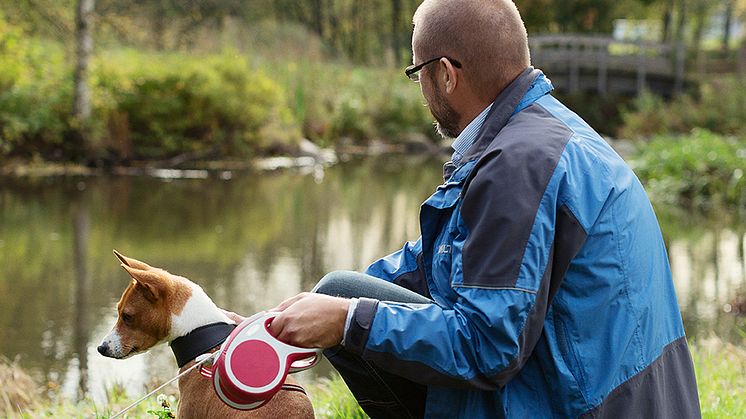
[
  {"x": 166, "y": 104},
  {"x": 165, "y": 412},
  {"x": 721, "y": 378},
  {"x": 332, "y": 399},
  {"x": 86, "y": 408},
  {"x": 35, "y": 93},
  {"x": 150, "y": 105},
  {"x": 144, "y": 105},
  {"x": 698, "y": 170},
  {"x": 719, "y": 106},
  {"x": 337, "y": 102}
]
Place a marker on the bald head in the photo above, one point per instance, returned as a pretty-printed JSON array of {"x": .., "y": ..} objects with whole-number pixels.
[{"x": 486, "y": 36}]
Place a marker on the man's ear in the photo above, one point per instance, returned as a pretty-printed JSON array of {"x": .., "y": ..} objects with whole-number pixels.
[
  {"x": 450, "y": 75},
  {"x": 132, "y": 263},
  {"x": 150, "y": 281}
]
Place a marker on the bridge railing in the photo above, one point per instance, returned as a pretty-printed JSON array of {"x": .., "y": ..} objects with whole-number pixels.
[{"x": 576, "y": 54}]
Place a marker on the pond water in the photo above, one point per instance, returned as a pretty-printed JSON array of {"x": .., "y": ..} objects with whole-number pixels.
[{"x": 251, "y": 240}]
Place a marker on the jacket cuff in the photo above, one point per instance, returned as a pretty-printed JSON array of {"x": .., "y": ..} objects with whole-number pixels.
[{"x": 356, "y": 336}]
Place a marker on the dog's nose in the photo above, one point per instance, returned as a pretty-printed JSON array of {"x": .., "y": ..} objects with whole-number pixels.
[{"x": 102, "y": 348}]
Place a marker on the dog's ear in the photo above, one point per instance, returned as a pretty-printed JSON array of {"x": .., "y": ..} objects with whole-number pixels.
[
  {"x": 132, "y": 263},
  {"x": 151, "y": 282}
]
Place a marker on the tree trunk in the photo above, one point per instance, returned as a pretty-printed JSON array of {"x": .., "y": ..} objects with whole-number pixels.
[
  {"x": 159, "y": 27},
  {"x": 681, "y": 24},
  {"x": 84, "y": 46},
  {"x": 699, "y": 28},
  {"x": 395, "y": 28},
  {"x": 726, "y": 25},
  {"x": 318, "y": 18},
  {"x": 667, "y": 14}
]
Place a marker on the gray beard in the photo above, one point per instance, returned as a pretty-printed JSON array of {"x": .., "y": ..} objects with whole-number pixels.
[
  {"x": 446, "y": 132},
  {"x": 445, "y": 116}
]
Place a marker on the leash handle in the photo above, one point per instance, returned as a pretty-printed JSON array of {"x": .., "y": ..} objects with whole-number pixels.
[
  {"x": 306, "y": 363},
  {"x": 253, "y": 364},
  {"x": 257, "y": 342}
]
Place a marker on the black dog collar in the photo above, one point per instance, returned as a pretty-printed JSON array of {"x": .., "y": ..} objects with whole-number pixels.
[{"x": 199, "y": 341}]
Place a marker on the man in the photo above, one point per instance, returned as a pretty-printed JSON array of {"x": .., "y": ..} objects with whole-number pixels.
[{"x": 540, "y": 286}]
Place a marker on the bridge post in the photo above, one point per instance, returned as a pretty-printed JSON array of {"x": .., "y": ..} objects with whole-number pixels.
[
  {"x": 603, "y": 68},
  {"x": 574, "y": 67},
  {"x": 641, "y": 67},
  {"x": 679, "y": 68}
]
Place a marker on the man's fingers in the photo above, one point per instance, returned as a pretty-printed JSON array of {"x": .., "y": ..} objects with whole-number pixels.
[
  {"x": 237, "y": 318},
  {"x": 311, "y": 320},
  {"x": 277, "y": 326},
  {"x": 287, "y": 303}
]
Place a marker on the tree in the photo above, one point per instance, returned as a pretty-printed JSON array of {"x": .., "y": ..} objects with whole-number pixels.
[{"x": 84, "y": 47}]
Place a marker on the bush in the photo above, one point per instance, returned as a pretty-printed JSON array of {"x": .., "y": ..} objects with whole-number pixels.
[
  {"x": 698, "y": 170},
  {"x": 719, "y": 106},
  {"x": 336, "y": 102},
  {"x": 35, "y": 94},
  {"x": 148, "y": 105},
  {"x": 169, "y": 104}
]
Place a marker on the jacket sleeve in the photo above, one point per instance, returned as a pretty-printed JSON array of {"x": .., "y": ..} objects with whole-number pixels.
[
  {"x": 403, "y": 267},
  {"x": 509, "y": 254}
]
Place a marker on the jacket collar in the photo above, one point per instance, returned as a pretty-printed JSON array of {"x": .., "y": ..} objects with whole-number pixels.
[
  {"x": 517, "y": 96},
  {"x": 199, "y": 341},
  {"x": 528, "y": 87}
]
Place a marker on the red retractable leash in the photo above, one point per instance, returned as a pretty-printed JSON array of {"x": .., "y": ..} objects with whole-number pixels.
[{"x": 252, "y": 365}]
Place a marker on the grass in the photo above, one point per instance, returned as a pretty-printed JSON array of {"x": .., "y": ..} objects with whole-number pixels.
[
  {"x": 720, "y": 369},
  {"x": 17, "y": 389},
  {"x": 332, "y": 399},
  {"x": 721, "y": 378}
]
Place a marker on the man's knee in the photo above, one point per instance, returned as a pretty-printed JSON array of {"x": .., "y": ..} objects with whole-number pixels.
[{"x": 334, "y": 283}]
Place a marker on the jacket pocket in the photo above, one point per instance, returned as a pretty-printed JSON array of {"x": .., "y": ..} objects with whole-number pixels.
[{"x": 569, "y": 355}]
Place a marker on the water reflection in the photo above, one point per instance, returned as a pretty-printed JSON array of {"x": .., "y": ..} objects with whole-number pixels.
[
  {"x": 250, "y": 241},
  {"x": 709, "y": 267},
  {"x": 81, "y": 224}
]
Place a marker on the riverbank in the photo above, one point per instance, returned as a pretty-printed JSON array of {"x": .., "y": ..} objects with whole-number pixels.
[
  {"x": 720, "y": 369},
  {"x": 306, "y": 156}
]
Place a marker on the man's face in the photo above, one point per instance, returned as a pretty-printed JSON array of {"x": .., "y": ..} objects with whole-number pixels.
[{"x": 445, "y": 116}]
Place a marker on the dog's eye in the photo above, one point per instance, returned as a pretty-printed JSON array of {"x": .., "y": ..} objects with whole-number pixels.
[{"x": 127, "y": 318}]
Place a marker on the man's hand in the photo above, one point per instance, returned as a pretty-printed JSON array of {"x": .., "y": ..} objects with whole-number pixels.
[
  {"x": 310, "y": 320},
  {"x": 236, "y": 318}
]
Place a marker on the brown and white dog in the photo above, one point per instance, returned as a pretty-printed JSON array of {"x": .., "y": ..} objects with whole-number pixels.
[{"x": 159, "y": 307}]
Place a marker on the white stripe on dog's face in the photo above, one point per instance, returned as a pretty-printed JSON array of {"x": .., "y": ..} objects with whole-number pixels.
[{"x": 112, "y": 344}]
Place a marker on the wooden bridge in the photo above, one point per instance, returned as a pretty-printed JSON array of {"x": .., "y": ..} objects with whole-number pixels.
[{"x": 577, "y": 63}]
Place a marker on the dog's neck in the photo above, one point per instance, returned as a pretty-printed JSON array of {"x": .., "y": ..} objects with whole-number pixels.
[{"x": 198, "y": 311}]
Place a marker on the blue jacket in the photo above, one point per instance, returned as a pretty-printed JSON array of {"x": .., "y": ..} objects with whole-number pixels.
[{"x": 552, "y": 286}]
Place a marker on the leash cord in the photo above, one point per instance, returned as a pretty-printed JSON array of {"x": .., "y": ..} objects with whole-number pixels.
[{"x": 143, "y": 398}]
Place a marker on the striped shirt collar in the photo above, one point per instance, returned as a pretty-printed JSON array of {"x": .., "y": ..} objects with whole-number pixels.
[{"x": 464, "y": 141}]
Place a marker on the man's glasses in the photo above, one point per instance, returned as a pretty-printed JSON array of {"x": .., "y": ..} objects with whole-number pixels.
[{"x": 413, "y": 71}]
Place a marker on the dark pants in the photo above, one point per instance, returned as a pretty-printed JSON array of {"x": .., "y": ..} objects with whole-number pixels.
[{"x": 380, "y": 393}]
